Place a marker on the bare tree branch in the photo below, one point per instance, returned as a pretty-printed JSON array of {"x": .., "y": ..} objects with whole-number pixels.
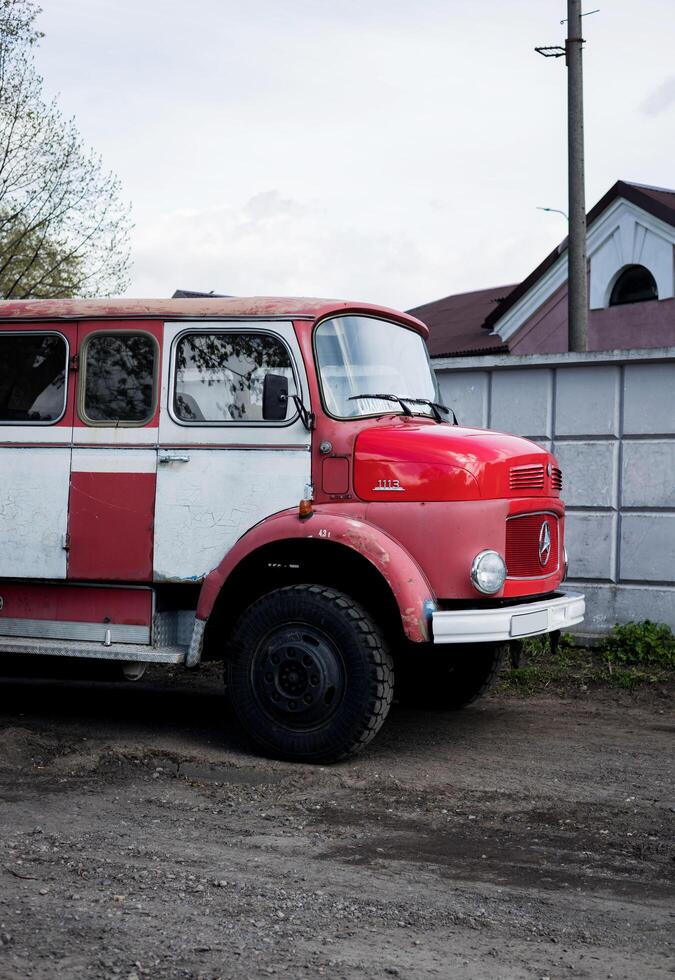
[{"x": 63, "y": 228}]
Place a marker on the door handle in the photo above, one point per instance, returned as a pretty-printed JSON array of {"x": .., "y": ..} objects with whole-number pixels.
[{"x": 171, "y": 458}]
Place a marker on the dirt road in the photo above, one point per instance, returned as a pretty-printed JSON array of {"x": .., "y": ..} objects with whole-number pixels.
[{"x": 141, "y": 837}]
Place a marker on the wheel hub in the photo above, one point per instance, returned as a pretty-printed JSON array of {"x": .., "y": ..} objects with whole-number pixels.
[{"x": 298, "y": 676}]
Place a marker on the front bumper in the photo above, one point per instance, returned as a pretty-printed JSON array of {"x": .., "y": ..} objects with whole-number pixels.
[{"x": 509, "y": 622}]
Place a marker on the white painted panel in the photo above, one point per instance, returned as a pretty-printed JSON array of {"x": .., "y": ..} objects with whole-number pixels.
[
  {"x": 35, "y": 434},
  {"x": 34, "y": 484},
  {"x": 114, "y": 461},
  {"x": 206, "y": 503},
  {"x": 110, "y": 435}
]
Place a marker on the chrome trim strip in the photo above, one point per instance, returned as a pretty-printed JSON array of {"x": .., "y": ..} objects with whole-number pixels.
[
  {"x": 129, "y": 653},
  {"x": 52, "y": 629}
]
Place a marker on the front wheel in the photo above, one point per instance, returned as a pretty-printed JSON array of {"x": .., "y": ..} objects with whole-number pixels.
[
  {"x": 447, "y": 677},
  {"x": 308, "y": 674}
]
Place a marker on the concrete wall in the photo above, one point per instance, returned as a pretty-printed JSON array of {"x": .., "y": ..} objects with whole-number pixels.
[{"x": 610, "y": 419}]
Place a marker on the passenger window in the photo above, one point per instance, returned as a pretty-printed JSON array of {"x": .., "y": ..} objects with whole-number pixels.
[
  {"x": 119, "y": 378},
  {"x": 32, "y": 377},
  {"x": 220, "y": 376}
]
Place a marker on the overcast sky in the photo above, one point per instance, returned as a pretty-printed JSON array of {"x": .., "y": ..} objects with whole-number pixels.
[{"x": 386, "y": 150}]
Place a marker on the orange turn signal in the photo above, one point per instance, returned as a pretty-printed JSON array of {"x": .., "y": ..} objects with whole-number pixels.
[{"x": 305, "y": 508}]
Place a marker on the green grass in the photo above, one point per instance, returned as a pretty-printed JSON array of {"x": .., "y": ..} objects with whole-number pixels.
[{"x": 632, "y": 656}]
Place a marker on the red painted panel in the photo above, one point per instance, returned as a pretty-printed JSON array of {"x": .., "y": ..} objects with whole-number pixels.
[
  {"x": 444, "y": 538},
  {"x": 76, "y": 603},
  {"x": 111, "y": 524},
  {"x": 418, "y": 460},
  {"x": 336, "y": 475}
]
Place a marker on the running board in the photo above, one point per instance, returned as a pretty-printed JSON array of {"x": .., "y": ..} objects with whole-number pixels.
[{"x": 133, "y": 652}]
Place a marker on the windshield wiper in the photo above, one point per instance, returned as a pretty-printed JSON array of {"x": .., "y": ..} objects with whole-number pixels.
[
  {"x": 435, "y": 407},
  {"x": 386, "y": 398}
]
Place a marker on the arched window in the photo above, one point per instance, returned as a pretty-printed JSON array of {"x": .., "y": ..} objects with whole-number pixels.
[{"x": 635, "y": 285}]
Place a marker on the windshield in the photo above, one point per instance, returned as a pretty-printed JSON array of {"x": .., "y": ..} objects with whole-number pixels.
[{"x": 359, "y": 355}]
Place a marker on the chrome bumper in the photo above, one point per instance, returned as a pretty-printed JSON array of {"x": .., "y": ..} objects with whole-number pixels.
[{"x": 509, "y": 622}]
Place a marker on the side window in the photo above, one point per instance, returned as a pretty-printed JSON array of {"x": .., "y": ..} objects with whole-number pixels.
[
  {"x": 220, "y": 376},
  {"x": 118, "y": 379},
  {"x": 32, "y": 377}
]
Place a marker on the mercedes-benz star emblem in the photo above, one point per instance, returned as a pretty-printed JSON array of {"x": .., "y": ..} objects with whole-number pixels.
[{"x": 544, "y": 543}]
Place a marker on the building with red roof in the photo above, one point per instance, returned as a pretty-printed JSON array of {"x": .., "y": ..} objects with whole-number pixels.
[{"x": 631, "y": 269}]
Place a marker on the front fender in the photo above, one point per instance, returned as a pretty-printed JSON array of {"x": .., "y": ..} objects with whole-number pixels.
[{"x": 405, "y": 578}]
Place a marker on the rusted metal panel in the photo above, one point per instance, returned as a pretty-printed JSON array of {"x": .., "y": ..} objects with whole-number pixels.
[
  {"x": 186, "y": 309},
  {"x": 406, "y": 579}
]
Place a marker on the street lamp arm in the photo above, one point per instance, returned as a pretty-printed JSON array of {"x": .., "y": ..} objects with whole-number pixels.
[{"x": 554, "y": 210}]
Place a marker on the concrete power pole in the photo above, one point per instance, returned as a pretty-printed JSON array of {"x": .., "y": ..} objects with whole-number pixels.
[{"x": 577, "y": 288}]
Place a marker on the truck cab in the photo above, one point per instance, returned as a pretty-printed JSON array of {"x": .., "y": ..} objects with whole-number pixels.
[{"x": 274, "y": 484}]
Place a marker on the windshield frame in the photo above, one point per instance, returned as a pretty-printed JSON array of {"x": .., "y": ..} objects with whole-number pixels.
[{"x": 423, "y": 411}]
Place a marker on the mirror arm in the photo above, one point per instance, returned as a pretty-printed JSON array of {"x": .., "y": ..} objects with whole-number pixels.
[{"x": 308, "y": 419}]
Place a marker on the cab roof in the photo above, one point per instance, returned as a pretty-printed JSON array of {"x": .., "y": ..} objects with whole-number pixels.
[{"x": 263, "y": 307}]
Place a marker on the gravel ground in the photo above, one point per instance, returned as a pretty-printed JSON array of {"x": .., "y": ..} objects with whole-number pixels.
[{"x": 141, "y": 837}]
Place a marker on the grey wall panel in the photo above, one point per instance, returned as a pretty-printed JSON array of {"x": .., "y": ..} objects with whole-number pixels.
[
  {"x": 587, "y": 409},
  {"x": 521, "y": 402},
  {"x": 648, "y": 473},
  {"x": 648, "y": 547},
  {"x": 610, "y": 604},
  {"x": 590, "y": 477},
  {"x": 466, "y": 392},
  {"x": 591, "y": 544},
  {"x": 649, "y": 399}
]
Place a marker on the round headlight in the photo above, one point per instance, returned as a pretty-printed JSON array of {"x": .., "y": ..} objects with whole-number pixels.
[{"x": 488, "y": 572}]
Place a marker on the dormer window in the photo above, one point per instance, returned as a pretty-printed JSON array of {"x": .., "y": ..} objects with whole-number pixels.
[{"x": 635, "y": 285}]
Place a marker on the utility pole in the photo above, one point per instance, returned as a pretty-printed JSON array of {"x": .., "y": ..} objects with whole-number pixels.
[
  {"x": 577, "y": 285},
  {"x": 577, "y": 288}
]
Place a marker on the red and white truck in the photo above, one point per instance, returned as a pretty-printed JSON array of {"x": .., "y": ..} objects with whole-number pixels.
[{"x": 271, "y": 483}]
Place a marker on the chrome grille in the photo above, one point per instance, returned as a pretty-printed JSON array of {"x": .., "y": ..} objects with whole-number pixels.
[{"x": 556, "y": 478}]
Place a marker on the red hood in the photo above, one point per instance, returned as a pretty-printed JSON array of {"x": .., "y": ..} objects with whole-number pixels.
[{"x": 419, "y": 460}]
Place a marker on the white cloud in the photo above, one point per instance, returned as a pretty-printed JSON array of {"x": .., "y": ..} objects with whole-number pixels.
[
  {"x": 273, "y": 244},
  {"x": 409, "y": 144},
  {"x": 660, "y": 99}
]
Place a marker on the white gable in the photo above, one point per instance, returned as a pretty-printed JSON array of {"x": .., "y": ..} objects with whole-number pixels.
[
  {"x": 622, "y": 235},
  {"x": 630, "y": 236}
]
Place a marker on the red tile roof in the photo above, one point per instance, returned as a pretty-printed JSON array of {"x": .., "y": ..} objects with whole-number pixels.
[{"x": 455, "y": 322}]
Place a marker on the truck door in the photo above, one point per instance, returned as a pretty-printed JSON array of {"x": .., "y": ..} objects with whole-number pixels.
[
  {"x": 222, "y": 468},
  {"x": 112, "y": 483},
  {"x": 36, "y": 421}
]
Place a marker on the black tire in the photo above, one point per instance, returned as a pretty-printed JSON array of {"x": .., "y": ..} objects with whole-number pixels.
[
  {"x": 308, "y": 675},
  {"x": 449, "y": 677}
]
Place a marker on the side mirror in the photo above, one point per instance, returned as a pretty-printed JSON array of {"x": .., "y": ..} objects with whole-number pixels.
[{"x": 275, "y": 397}]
